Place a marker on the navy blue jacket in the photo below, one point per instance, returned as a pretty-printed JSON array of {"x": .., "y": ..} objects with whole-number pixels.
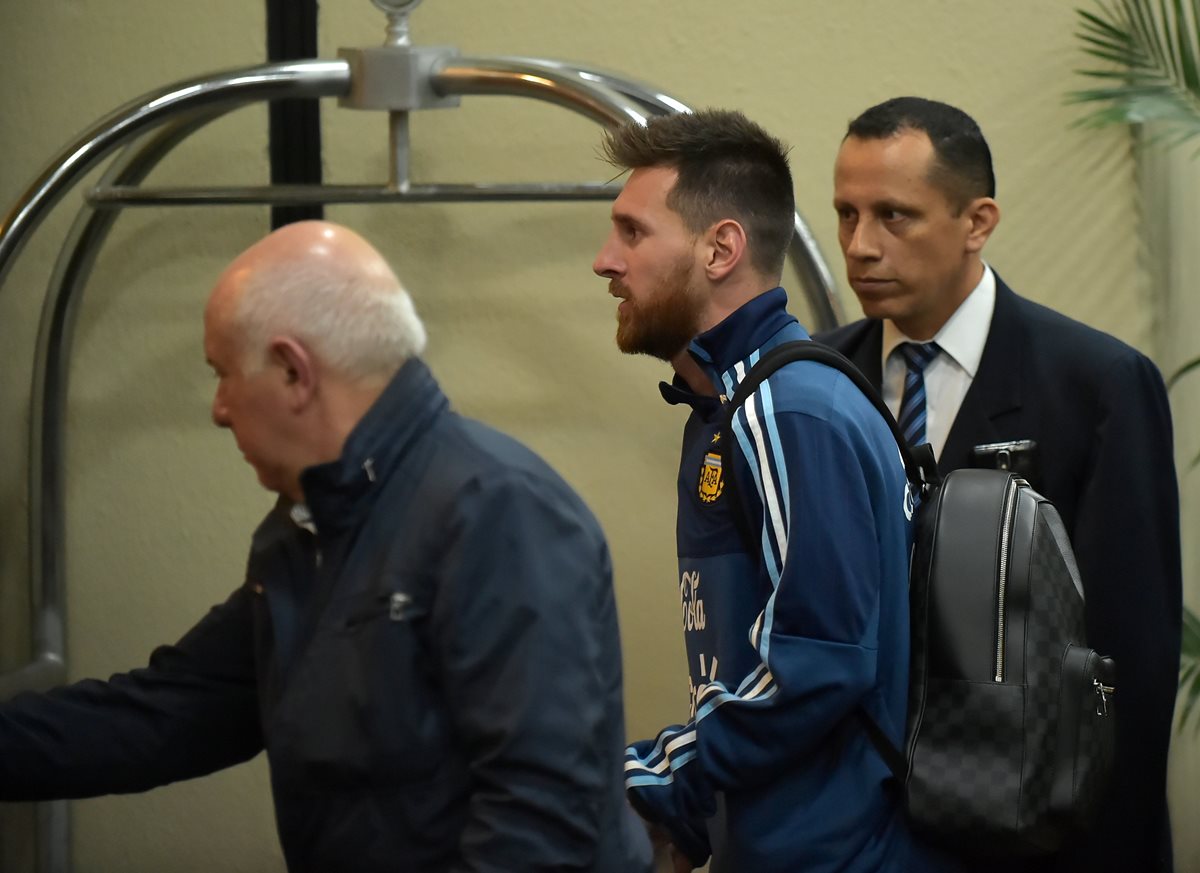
[
  {"x": 431, "y": 661},
  {"x": 1099, "y": 414},
  {"x": 787, "y": 635}
]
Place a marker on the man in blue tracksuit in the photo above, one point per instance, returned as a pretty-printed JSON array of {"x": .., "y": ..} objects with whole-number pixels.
[{"x": 793, "y": 583}]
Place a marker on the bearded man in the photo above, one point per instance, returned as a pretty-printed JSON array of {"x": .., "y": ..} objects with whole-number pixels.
[{"x": 794, "y": 584}]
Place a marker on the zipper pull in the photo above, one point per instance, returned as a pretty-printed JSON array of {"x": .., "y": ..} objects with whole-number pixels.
[
  {"x": 398, "y": 605},
  {"x": 1102, "y": 692}
]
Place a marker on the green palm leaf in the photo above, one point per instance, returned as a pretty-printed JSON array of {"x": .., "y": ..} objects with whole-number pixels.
[
  {"x": 1151, "y": 49},
  {"x": 1151, "y": 52},
  {"x": 1189, "y": 669},
  {"x": 1182, "y": 371}
]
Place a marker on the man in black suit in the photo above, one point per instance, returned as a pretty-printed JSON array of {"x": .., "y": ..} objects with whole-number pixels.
[{"x": 1087, "y": 414}]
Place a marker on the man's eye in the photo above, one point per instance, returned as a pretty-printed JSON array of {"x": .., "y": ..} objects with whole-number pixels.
[{"x": 892, "y": 215}]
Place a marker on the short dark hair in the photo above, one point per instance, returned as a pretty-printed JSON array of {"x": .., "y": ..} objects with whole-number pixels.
[
  {"x": 962, "y": 160},
  {"x": 728, "y": 167}
]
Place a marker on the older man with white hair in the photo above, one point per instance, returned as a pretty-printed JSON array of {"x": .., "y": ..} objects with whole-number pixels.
[{"x": 426, "y": 641}]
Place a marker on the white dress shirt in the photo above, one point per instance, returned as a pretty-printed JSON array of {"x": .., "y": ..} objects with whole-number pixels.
[{"x": 950, "y": 374}]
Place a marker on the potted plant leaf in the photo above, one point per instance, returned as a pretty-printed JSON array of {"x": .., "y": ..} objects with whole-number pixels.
[{"x": 1150, "y": 79}]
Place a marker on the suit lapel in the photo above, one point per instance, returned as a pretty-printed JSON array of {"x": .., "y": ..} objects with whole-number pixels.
[
  {"x": 996, "y": 388},
  {"x": 863, "y": 346}
]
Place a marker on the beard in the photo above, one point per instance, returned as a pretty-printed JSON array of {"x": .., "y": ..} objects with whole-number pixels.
[{"x": 665, "y": 321}]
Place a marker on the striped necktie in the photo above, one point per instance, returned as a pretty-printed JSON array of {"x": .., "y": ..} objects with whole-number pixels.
[{"x": 912, "y": 406}]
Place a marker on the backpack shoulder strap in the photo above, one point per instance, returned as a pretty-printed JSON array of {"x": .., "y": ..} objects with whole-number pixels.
[{"x": 919, "y": 465}]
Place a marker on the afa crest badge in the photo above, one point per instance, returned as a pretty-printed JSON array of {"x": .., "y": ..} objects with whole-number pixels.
[{"x": 711, "y": 483}]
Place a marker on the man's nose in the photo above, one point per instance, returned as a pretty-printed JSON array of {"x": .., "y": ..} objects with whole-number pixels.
[
  {"x": 606, "y": 264},
  {"x": 864, "y": 242},
  {"x": 220, "y": 414}
]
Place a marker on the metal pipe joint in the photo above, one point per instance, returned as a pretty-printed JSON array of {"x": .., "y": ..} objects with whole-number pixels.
[{"x": 396, "y": 78}]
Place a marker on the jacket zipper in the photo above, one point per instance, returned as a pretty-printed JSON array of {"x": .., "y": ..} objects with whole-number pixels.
[{"x": 1010, "y": 514}]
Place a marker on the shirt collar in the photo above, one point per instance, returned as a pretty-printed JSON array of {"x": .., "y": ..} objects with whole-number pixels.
[
  {"x": 963, "y": 336},
  {"x": 302, "y": 517}
]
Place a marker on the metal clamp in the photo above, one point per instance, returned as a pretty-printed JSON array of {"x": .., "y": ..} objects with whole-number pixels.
[{"x": 396, "y": 78}]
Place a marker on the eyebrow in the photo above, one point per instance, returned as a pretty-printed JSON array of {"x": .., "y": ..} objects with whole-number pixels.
[
  {"x": 884, "y": 205},
  {"x": 896, "y": 206},
  {"x": 627, "y": 219}
]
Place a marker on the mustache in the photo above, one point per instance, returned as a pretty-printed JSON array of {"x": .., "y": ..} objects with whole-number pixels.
[{"x": 617, "y": 288}]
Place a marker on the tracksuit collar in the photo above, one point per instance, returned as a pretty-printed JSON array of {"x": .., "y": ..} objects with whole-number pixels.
[{"x": 750, "y": 327}]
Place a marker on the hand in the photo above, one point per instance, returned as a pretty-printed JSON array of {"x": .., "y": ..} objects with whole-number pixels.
[
  {"x": 680, "y": 862},
  {"x": 664, "y": 850}
]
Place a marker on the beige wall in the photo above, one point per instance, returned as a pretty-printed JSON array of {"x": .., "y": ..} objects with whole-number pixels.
[
  {"x": 160, "y": 506},
  {"x": 1169, "y": 181}
]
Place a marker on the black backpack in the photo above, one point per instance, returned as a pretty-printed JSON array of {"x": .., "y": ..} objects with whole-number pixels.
[{"x": 1009, "y": 737}]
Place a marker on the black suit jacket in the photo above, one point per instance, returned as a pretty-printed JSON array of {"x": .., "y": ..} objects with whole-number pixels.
[{"x": 1098, "y": 411}]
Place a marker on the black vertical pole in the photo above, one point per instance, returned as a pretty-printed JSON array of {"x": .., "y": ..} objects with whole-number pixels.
[{"x": 295, "y": 125}]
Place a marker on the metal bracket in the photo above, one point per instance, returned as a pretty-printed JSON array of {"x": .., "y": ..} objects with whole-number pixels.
[{"x": 396, "y": 78}]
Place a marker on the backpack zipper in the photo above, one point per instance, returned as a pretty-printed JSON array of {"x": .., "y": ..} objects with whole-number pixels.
[{"x": 1010, "y": 513}]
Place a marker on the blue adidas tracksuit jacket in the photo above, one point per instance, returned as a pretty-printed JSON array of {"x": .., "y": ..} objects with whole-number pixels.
[{"x": 785, "y": 639}]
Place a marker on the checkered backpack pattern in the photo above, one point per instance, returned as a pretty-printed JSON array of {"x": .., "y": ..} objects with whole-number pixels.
[{"x": 1009, "y": 737}]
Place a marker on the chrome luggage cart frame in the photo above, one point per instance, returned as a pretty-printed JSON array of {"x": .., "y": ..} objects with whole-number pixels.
[{"x": 397, "y": 78}]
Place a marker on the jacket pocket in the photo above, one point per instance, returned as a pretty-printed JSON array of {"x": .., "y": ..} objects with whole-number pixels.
[{"x": 362, "y": 706}]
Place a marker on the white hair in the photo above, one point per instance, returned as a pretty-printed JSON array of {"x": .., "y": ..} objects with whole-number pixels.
[{"x": 359, "y": 321}]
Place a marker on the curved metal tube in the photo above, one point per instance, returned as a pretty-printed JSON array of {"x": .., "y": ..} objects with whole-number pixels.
[
  {"x": 49, "y": 382},
  {"x": 117, "y": 196},
  {"x": 810, "y": 266},
  {"x": 651, "y": 98},
  {"x": 815, "y": 279},
  {"x": 603, "y": 97},
  {"x": 210, "y": 96},
  {"x": 47, "y": 444},
  {"x": 509, "y": 76},
  {"x": 266, "y": 82},
  {"x": 47, "y": 448},
  {"x": 529, "y": 77}
]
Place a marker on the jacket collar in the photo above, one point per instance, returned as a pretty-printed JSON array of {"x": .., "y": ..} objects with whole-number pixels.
[
  {"x": 753, "y": 325},
  {"x": 338, "y": 492},
  {"x": 749, "y": 327}
]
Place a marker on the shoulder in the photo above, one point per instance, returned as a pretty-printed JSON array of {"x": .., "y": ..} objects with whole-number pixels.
[
  {"x": 1044, "y": 323},
  {"x": 797, "y": 378},
  {"x": 812, "y": 407},
  {"x": 1062, "y": 345},
  {"x": 814, "y": 389},
  {"x": 848, "y": 338},
  {"x": 475, "y": 466}
]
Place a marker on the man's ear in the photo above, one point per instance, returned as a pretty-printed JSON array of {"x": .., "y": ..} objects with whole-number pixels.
[
  {"x": 297, "y": 371},
  {"x": 983, "y": 214},
  {"x": 726, "y": 241}
]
